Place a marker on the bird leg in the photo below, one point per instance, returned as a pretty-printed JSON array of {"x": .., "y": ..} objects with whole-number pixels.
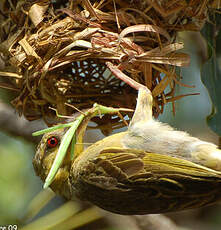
[{"x": 143, "y": 111}]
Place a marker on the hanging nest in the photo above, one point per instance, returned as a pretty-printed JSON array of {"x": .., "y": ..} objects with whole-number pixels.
[{"x": 58, "y": 53}]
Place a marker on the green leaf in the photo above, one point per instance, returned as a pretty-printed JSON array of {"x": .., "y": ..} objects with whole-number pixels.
[{"x": 211, "y": 71}]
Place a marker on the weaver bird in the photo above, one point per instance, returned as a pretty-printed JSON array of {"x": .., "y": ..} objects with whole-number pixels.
[{"x": 150, "y": 168}]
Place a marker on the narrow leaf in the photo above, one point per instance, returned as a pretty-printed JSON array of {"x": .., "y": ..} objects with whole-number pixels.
[{"x": 211, "y": 72}]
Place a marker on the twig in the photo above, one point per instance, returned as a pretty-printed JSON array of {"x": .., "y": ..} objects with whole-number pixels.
[
  {"x": 155, "y": 222},
  {"x": 143, "y": 222}
]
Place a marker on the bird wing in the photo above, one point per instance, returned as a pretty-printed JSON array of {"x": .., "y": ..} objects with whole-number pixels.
[
  {"x": 168, "y": 175},
  {"x": 131, "y": 181}
]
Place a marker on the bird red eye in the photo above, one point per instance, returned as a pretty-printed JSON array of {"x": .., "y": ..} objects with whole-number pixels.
[{"x": 52, "y": 142}]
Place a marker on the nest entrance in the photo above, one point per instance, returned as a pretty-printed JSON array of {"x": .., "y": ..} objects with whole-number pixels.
[{"x": 82, "y": 83}]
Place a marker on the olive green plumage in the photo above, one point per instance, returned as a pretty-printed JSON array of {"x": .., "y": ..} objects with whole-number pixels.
[{"x": 150, "y": 168}]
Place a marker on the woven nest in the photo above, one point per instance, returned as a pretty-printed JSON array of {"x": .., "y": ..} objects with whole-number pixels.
[{"x": 70, "y": 52}]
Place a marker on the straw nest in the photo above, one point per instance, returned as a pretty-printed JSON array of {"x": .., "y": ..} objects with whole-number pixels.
[{"x": 71, "y": 52}]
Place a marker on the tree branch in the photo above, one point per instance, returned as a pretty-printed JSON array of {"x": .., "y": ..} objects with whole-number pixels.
[
  {"x": 142, "y": 222},
  {"x": 14, "y": 125},
  {"x": 155, "y": 222}
]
